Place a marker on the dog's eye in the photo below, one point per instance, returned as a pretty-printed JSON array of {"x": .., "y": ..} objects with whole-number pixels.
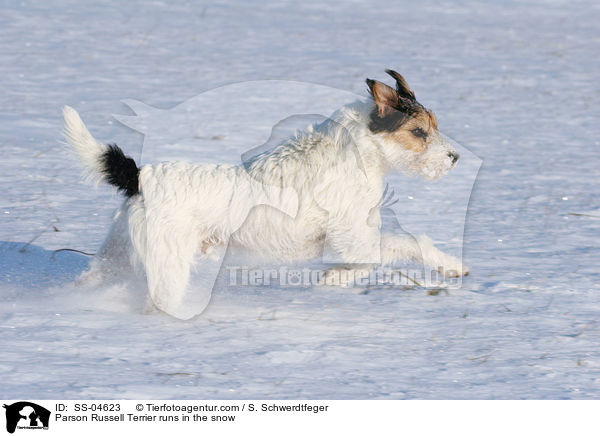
[{"x": 419, "y": 133}]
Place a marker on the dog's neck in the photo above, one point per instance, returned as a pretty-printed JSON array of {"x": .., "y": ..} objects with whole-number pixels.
[
  {"x": 349, "y": 127},
  {"x": 343, "y": 141}
]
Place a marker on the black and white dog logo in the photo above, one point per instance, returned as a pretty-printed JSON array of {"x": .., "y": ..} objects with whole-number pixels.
[{"x": 26, "y": 415}]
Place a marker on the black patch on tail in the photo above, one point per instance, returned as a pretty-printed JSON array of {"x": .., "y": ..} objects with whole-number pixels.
[{"x": 120, "y": 170}]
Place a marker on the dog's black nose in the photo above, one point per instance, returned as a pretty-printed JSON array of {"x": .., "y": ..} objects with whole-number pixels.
[{"x": 454, "y": 156}]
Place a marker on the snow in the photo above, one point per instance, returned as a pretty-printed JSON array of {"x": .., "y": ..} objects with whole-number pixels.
[{"x": 515, "y": 83}]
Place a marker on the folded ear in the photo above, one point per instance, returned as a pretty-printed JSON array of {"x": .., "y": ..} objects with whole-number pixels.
[
  {"x": 401, "y": 86},
  {"x": 385, "y": 97}
]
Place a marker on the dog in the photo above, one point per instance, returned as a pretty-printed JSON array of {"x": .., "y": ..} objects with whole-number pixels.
[{"x": 175, "y": 211}]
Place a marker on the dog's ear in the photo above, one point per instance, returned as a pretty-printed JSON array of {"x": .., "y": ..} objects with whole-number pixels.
[
  {"x": 401, "y": 86},
  {"x": 385, "y": 97}
]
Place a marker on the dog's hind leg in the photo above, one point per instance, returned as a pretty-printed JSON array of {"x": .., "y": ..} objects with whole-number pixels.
[
  {"x": 113, "y": 258},
  {"x": 170, "y": 251}
]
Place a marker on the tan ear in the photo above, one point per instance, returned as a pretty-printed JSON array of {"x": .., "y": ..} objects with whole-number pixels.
[
  {"x": 401, "y": 86},
  {"x": 385, "y": 97}
]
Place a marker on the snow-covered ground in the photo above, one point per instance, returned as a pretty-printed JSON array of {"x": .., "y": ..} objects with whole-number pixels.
[{"x": 515, "y": 83}]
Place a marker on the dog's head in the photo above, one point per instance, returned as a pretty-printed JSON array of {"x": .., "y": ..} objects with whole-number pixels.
[{"x": 407, "y": 132}]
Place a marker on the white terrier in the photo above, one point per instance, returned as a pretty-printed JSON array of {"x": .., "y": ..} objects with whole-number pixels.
[{"x": 329, "y": 178}]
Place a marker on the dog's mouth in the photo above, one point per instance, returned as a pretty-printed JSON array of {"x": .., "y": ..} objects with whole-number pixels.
[{"x": 434, "y": 172}]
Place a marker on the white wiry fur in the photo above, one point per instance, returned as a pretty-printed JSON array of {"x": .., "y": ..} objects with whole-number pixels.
[
  {"x": 84, "y": 144},
  {"x": 327, "y": 180}
]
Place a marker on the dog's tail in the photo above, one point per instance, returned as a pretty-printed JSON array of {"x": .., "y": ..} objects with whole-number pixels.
[{"x": 102, "y": 163}]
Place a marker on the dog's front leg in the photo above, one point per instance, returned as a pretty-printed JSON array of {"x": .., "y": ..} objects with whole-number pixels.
[
  {"x": 357, "y": 249},
  {"x": 420, "y": 249}
]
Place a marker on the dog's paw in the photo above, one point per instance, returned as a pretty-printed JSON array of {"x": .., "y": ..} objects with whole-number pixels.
[
  {"x": 150, "y": 307},
  {"x": 455, "y": 271},
  {"x": 91, "y": 277}
]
